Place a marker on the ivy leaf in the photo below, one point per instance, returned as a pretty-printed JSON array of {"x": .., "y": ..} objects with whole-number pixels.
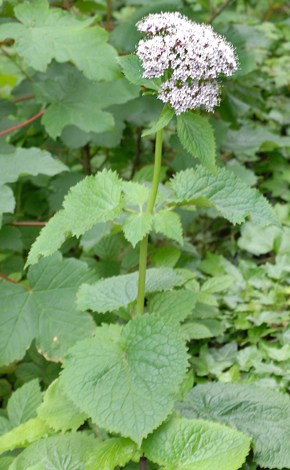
[
  {"x": 166, "y": 116},
  {"x": 61, "y": 452},
  {"x": 47, "y": 312},
  {"x": 168, "y": 223},
  {"x": 126, "y": 378},
  {"x": 262, "y": 414},
  {"x": 58, "y": 411},
  {"x": 47, "y": 33},
  {"x": 93, "y": 200},
  {"x": 119, "y": 291},
  {"x": 24, "y": 434},
  {"x": 175, "y": 305},
  {"x": 133, "y": 71},
  {"x": 234, "y": 199},
  {"x": 112, "y": 453},
  {"x": 196, "y": 445},
  {"x": 23, "y": 403},
  {"x": 75, "y": 100},
  {"x": 136, "y": 226},
  {"x": 196, "y": 136}
]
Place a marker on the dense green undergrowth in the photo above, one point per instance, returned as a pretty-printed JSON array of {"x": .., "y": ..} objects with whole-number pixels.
[{"x": 227, "y": 284}]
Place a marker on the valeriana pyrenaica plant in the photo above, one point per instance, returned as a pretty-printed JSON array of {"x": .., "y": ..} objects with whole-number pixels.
[{"x": 126, "y": 377}]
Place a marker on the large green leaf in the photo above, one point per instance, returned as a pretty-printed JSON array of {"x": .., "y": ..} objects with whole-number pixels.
[
  {"x": 262, "y": 414},
  {"x": 58, "y": 411},
  {"x": 47, "y": 312},
  {"x": 23, "y": 403},
  {"x": 24, "y": 434},
  {"x": 175, "y": 305},
  {"x": 75, "y": 100},
  {"x": 126, "y": 378},
  {"x": 20, "y": 162},
  {"x": 119, "y": 291},
  {"x": 28, "y": 162},
  {"x": 196, "y": 445},
  {"x": 56, "y": 452},
  {"x": 234, "y": 199},
  {"x": 48, "y": 33},
  {"x": 112, "y": 452},
  {"x": 93, "y": 200},
  {"x": 196, "y": 136}
]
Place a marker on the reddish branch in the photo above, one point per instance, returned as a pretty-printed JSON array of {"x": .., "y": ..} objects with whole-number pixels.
[
  {"x": 23, "y": 98},
  {"x": 14, "y": 282},
  {"x": 23, "y": 123},
  {"x": 33, "y": 224}
]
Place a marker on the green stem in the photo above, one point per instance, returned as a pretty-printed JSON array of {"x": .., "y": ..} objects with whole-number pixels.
[{"x": 150, "y": 207}]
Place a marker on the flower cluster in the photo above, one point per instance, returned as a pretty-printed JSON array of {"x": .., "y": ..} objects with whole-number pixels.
[{"x": 191, "y": 54}]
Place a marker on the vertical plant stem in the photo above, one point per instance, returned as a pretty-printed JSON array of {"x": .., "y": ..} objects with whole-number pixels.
[
  {"x": 150, "y": 207},
  {"x": 143, "y": 463},
  {"x": 86, "y": 160},
  {"x": 109, "y": 10}
]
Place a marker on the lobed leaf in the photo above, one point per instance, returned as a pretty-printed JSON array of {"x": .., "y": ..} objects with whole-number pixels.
[
  {"x": 46, "y": 33},
  {"x": 126, "y": 378},
  {"x": 234, "y": 199},
  {"x": 46, "y": 313},
  {"x": 136, "y": 226},
  {"x": 119, "y": 291},
  {"x": 262, "y": 414}
]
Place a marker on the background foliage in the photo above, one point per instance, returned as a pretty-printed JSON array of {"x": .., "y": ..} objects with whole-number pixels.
[{"x": 58, "y": 64}]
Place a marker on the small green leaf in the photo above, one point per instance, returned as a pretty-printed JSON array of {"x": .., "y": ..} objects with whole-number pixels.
[
  {"x": 196, "y": 136},
  {"x": 165, "y": 256},
  {"x": 119, "y": 291},
  {"x": 133, "y": 71},
  {"x": 135, "y": 193},
  {"x": 136, "y": 226},
  {"x": 231, "y": 196},
  {"x": 175, "y": 305},
  {"x": 217, "y": 284},
  {"x": 112, "y": 453},
  {"x": 168, "y": 223},
  {"x": 23, "y": 403},
  {"x": 166, "y": 116},
  {"x": 58, "y": 411},
  {"x": 196, "y": 445},
  {"x": 56, "y": 452},
  {"x": 261, "y": 413},
  {"x": 126, "y": 378},
  {"x": 199, "y": 329},
  {"x": 24, "y": 434},
  {"x": 93, "y": 200}
]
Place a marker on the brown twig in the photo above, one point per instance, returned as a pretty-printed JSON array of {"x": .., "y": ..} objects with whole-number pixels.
[
  {"x": 24, "y": 224},
  {"x": 86, "y": 160},
  {"x": 23, "y": 123},
  {"x": 109, "y": 11},
  {"x": 143, "y": 463},
  {"x": 14, "y": 282},
  {"x": 152, "y": 163},
  {"x": 23, "y": 98},
  {"x": 210, "y": 7},
  {"x": 219, "y": 10}
]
